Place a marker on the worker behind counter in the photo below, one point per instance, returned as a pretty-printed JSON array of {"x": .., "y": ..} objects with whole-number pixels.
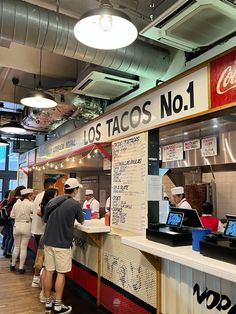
[
  {"x": 179, "y": 197},
  {"x": 210, "y": 221},
  {"x": 91, "y": 202}
]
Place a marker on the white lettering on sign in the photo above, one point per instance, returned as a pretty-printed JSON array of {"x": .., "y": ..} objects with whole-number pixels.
[{"x": 227, "y": 80}]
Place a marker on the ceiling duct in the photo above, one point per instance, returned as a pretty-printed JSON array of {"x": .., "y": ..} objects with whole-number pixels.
[
  {"x": 96, "y": 83},
  {"x": 189, "y": 24},
  {"x": 37, "y": 27}
]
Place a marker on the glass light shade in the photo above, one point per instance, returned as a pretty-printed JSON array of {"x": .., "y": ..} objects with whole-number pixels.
[
  {"x": 3, "y": 142},
  {"x": 13, "y": 128},
  {"x": 105, "y": 28},
  {"x": 38, "y": 99}
]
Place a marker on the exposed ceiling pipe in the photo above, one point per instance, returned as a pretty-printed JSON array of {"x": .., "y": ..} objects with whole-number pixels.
[{"x": 37, "y": 27}]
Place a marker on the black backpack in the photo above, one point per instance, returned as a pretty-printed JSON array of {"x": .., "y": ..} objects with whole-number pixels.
[{"x": 3, "y": 216}]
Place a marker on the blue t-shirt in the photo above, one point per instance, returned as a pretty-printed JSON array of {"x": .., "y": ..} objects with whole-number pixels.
[{"x": 60, "y": 221}]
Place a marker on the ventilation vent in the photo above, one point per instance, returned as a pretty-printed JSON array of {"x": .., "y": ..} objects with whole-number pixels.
[
  {"x": 188, "y": 25},
  {"x": 105, "y": 86}
]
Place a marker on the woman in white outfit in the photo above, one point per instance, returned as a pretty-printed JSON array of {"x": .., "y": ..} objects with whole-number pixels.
[{"x": 21, "y": 212}]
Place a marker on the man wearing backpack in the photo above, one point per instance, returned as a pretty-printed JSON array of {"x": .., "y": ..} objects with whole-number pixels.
[{"x": 60, "y": 214}]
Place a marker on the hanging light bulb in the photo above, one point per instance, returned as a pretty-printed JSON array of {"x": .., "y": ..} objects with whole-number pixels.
[
  {"x": 88, "y": 156},
  {"x": 105, "y": 28}
]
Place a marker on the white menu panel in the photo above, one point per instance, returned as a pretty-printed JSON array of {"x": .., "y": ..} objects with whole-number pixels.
[{"x": 129, "y": 182}]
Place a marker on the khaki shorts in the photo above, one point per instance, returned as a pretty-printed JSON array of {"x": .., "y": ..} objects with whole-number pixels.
[{"x": 57, "y": 259}]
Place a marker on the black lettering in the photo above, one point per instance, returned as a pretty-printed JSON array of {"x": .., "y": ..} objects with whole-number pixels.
[
  {"x": 178, "y": 103},
  {"x": 98, "y": 132},
  {"x": 166, "y": 107},
  {"x": 132, "y": 121},
  {"x": 146, "y": 112},
  {"x": 85, "y": 138},
  {"x": 200, "y": 297},
  {"x": 108, "y": 122},
  {"x": 190, "y": 90},
  {"x": 116, "y": 127},
  {"x": 124, "y": 128},
  {"x": 224, "y": 303},
  {"x": 91, "y": 134},
  {"x": 215, "y": 299}
]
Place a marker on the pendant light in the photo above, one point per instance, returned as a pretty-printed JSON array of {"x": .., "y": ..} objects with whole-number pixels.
[
  {"x": 105, "y": 28},
  {"x": 13, "y": 127},
  {"x": 38, "y": 98}
]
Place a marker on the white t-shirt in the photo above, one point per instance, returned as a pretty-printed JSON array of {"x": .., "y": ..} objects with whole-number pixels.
[
  {"x": 22, "y": 210},
  {"x": 38, "y": 225},
  {"x": 184, "y": 204}
]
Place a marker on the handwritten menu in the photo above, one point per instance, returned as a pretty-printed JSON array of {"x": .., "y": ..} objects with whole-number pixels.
[
  {"x": 209, "y": 146},
  {"x": 172, "y": 152},
  {"x": 129, "y": 183}
]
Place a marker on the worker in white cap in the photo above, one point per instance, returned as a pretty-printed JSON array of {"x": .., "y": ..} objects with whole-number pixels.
[
  {"x": 179, "y": 197},
  {"x": 91, "y": 202}
]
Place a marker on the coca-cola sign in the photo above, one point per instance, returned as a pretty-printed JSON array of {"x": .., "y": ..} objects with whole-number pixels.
[{"x": 223, "y": 80}]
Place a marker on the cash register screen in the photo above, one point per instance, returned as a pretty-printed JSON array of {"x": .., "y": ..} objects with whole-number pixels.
[
  {"x": 191, "y": 218},
  {"x": 230, "y": 229},
  {"x": 174, "y": 219}
]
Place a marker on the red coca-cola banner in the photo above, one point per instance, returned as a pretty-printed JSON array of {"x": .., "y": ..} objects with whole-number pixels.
[{"x": 223, "y": 80}]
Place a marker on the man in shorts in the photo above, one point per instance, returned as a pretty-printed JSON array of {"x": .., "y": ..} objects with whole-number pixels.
[{"x": 60, "y": 214}]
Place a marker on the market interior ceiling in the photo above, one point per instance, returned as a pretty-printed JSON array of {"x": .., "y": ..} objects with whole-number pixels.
[{"x": 85, "y": 81}]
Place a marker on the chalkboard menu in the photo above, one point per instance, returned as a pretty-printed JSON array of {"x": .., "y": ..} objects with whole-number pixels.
[{"x": 129, "y": 183}]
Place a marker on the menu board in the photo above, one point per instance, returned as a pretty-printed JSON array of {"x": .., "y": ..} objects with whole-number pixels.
[
  {"x": 129, "y": 183},
  {"x": 192, "y": 145}
]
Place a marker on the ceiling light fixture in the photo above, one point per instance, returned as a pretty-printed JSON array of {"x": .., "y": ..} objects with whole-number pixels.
[
  {"x": 38, "y": 98},
  {"x": 105, "y": 28},
  {"x": 13, "y": 127}
]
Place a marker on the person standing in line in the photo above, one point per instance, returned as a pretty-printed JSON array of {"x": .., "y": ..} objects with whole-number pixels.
[
  {"x": 8, "y": 238},
  {"x": 92, "y": 203},
  {"x": 37, "y": 228},
  {"x": 210, "y": 221},
  {"x": 60, "y": 215},
  {"x": 21, "y": 213},
  {"x": 179, "y": 197}
]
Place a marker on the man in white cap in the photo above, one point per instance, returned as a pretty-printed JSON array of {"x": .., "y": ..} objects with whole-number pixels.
[
  {"x": 91, "y": 202},
  {"x": 60, "y": 214},
  {"x": 179, "y": 197}
]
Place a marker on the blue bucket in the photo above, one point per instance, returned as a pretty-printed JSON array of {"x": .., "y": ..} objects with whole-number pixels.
[
  {"x": 87, "y": 213},
  {"x": 198, "y": 235}
]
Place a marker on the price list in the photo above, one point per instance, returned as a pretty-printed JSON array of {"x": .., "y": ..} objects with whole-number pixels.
[{"x": 129, "y": 182}]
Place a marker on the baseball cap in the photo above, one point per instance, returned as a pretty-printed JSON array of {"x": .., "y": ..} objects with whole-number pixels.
[{"x": 72, "y": 183}]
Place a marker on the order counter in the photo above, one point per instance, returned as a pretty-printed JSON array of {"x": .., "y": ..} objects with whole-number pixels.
[
  {"x": 95, "y": 229},
  {"x": 184, "y": 275}
]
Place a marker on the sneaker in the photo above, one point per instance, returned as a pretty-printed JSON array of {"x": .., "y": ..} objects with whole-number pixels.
[
  {"x": 12, "y": 268},
  {"x": 64, "y": 309},
  {"x": 21, "y": 271},
  {"x": 49, "y": 307},
  {"x": 36, "y": 282}
]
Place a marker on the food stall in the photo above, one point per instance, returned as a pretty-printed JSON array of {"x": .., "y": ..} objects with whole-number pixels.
[{"x": 137, "y": 274}]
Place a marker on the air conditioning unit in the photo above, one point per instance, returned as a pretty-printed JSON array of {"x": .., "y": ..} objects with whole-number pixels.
[
  {"x": 106, "y": 86},
  {"x": 188, "y": 25}
]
